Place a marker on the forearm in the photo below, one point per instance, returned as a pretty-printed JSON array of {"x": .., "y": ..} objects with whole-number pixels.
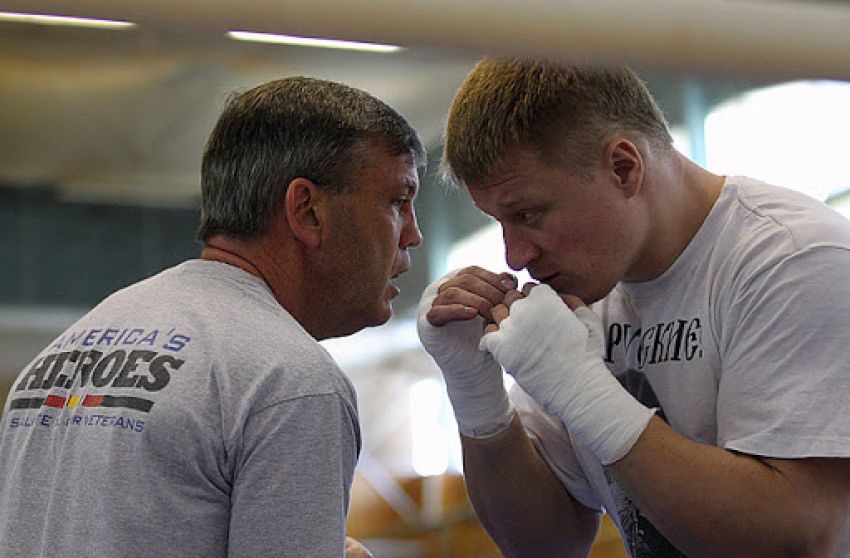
[
  {"x": 520, "y": 501},
  {"x": 711, "y": 502}
]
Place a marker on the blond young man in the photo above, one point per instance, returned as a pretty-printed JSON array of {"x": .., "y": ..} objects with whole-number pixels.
[{"x": 682, "y": 363}]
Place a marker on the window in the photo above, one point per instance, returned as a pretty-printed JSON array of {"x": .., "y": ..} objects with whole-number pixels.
[{"x": 792, "y": 135}]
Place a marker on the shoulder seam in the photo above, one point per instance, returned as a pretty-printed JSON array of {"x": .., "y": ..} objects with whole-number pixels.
[{"x": 298, "y": 397}]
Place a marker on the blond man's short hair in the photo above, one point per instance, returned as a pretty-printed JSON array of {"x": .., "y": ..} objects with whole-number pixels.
[{"x": 564, "y": 113}]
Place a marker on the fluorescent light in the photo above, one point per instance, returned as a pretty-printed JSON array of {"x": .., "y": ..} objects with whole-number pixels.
[
  {"x": 64, "y": 20},
  {"x": 310, "y": 41}
]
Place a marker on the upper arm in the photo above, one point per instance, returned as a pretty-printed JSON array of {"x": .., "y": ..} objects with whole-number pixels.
[
  {"x": 821, "y": 492},
  {"x": 293, "y": 479},
  {"x": 523, "y": 506},
  {"x": 554, "y": 445},
  {"x": 522, "y": 503}
]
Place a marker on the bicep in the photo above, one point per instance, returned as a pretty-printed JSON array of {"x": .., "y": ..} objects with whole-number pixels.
[
  {"x": 554, "y": 446},
  {"x": 821, "y": 489},
  {"x": 818, "y": 501},
  {"x": 520, "y": 500},
  {"x": 523, "y": 505}
]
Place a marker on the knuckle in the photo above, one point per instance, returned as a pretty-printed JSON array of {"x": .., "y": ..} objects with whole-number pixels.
[
  {"x": 511, "y": 297},
  {"x": 452, "y": 294}
]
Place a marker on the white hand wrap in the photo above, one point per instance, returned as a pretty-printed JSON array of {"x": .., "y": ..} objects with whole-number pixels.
[
  {"x": 473, "y": 378},
  {"x": 556, "y": 357}
]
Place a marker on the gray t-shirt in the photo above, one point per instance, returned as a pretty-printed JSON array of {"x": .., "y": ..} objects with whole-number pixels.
[
  {"x": 186, "y": 415},
  {"x": 742, "y": 344}
]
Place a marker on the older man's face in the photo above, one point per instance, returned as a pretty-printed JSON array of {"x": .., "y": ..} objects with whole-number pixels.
[{"x": 376, "y": 225}]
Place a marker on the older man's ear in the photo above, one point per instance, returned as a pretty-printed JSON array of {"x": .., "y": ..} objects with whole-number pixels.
[{"x": 304, "y": 211}]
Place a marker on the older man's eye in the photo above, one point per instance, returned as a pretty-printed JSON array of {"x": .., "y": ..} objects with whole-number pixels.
[{"x": 526, "y": 216}]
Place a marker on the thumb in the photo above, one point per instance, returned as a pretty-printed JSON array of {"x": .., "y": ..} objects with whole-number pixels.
[{"x": 595, "y": 331}]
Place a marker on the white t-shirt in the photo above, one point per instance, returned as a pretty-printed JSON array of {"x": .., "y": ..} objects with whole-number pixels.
[{"x": 743, "y": 343}]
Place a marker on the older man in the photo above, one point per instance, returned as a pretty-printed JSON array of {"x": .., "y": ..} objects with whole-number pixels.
[{"x": 195, "y": 413}]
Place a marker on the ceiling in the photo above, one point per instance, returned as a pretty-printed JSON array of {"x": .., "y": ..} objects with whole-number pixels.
[{"x": 123, "y": 115}]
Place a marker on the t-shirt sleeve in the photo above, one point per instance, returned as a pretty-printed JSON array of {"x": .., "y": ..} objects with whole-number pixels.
[
  {"x": 785, "y": 346},
  {"x": 553, "y": 442},
  {"x": 293, "y": 479}
]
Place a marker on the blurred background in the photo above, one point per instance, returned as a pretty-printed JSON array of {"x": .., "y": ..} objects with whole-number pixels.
[{"x": 102, "y": 127}]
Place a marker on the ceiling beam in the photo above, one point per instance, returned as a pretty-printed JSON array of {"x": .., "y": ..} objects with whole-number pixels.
[{"x": 709, "y": 37}]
